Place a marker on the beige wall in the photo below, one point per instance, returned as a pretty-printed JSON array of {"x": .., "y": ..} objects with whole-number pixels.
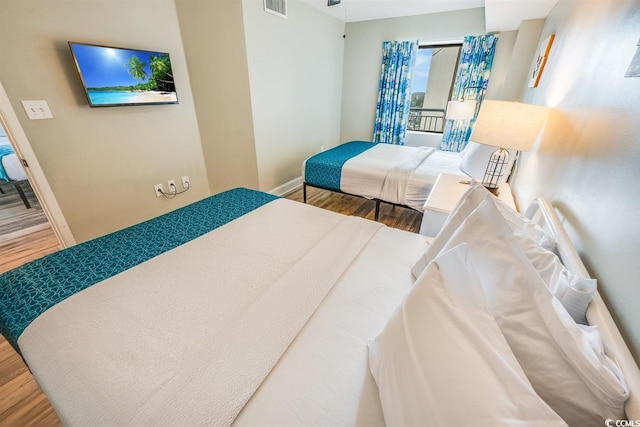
[
  {"x": 587, "y": 160},
  {"x": 524, "y": 49},
  {"x": 295, "y": 74},
  {"x": 363, "y": 54},
  {"x": 101, "y": 163},
  {"x": 214, "y": 43}
]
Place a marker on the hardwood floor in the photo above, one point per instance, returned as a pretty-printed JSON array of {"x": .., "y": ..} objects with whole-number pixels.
[
  {"x": 393, "y": 216},
  {"x": 21, "y": 401},
  {"x": 25, "y": 235}
]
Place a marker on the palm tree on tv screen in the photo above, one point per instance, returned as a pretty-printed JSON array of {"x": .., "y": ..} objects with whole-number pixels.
[
  {"x": 161, "y": 75},
  {"x": 136, "y": 68}
]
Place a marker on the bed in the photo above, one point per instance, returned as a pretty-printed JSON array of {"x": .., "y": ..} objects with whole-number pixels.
[
  {"x": 394, "y": 174},
  {"x": 249, "y": 309},
  {"x": 11, "y": 170}
]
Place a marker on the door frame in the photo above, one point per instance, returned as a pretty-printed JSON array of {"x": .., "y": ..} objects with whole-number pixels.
[{"x": 34, "y": 172}]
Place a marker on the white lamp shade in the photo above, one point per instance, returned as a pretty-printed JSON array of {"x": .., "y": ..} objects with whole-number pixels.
[
  {"x": 460, "y": 110},
  {"x": 510, "y": 125}
]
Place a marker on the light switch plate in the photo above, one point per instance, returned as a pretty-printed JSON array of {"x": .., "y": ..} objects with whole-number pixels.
[{"x": 37, "y": 109}]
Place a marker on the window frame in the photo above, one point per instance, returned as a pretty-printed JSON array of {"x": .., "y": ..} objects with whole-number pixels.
[{"x": 436, "y": 45}]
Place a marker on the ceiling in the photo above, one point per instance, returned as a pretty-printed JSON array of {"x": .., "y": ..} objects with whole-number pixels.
[{"x": 500, "y": 15}]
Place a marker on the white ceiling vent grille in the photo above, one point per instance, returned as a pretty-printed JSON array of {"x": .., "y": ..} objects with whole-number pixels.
[{"x": 276, "y": 7}]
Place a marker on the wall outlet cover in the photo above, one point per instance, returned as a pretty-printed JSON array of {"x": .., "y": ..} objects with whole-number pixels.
[{"x": 37, "y": 109}]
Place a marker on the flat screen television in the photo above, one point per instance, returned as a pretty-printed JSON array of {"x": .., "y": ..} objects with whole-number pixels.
[{"x": 114, "y": 76}]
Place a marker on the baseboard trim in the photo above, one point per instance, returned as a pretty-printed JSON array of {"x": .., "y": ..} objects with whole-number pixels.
[{"x": 287, "y": 187}]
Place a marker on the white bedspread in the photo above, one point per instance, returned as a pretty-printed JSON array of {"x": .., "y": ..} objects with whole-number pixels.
[
  {"x": 397, "y": 174},
  {"x": 394, "y": 187},
  {"x": 324, "y": 378},
  {"x": 187, "y": 337}
]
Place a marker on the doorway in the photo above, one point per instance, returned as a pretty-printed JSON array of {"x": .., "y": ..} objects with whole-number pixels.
[{"x": 25, "y": 231}]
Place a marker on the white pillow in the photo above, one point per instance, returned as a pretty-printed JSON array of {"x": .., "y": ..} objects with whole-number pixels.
[
  {"x": 469, "y": 201},
  {"x": 466, "y": 148},
  {"x": 442, "y": 360},
  {"x": 563, "y": 361},
  {"x": 573, "y": 291},
  {"x": 476, "y": 156},
  {"x": 576, "y": 297}
]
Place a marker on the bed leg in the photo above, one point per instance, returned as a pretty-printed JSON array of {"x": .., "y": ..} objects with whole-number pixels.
[
  {"x": 377, "y": 211},
  {"x": 22, "y": 196},
  {"x": 304, "y": 192}
]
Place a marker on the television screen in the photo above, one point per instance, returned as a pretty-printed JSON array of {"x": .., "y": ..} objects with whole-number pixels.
[{"x": 116, "y": 76}]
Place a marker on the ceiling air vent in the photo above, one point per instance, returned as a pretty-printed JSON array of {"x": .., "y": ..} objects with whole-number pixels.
[{"x": 276, "y": 7}]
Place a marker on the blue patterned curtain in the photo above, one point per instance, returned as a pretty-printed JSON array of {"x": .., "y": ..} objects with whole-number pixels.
[
  {"x": 471, "y": 82},
  {"x": 394, "y": 96}
]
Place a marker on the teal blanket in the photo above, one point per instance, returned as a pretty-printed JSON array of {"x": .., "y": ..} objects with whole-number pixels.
[{"x": 29, "y": 290}]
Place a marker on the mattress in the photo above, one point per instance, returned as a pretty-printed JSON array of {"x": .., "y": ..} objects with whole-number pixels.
[
  {"x": 241, "y": 316},
  {"x": 391, "y": 173},
  {"x": 249, "y": 309}
]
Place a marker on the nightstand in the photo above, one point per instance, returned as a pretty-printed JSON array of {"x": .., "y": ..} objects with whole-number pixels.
[{"x": 443, "y": 198}]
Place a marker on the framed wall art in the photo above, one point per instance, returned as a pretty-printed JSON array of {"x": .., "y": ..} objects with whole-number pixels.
[
  {"x": 540, "y": 61},
  {"x": 634, "y": 67}
]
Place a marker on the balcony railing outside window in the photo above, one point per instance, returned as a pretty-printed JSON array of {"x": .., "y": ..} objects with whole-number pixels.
[{"x": 426, "y": 120}]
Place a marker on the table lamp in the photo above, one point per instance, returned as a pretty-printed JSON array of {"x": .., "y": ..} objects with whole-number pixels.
[
  {"x": 508, "y": 126},
  {"x": 460, "y": 110}
]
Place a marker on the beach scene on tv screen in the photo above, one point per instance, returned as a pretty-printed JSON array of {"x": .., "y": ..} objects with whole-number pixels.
[{"x": 115, "y": 76}]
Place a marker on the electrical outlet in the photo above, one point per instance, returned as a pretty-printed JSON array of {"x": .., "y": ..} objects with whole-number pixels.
[
  {"x": 321, "y": 148},
  {"x": 171, "y": 186},
  {"x": 159, "y": 190},
  {"x": 185, "y": 182}
]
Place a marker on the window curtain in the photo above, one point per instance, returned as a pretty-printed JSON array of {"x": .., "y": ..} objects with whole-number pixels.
[
  {"x": 472, "y": 78},
  {"x": 394, "y": 95}
]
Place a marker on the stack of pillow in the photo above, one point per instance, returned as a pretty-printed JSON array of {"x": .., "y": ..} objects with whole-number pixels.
[{"x": 493, "y": 332}]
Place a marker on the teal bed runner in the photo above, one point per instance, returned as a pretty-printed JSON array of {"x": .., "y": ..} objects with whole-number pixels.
[
  {"x": 29, "y": 290},
  {"x": 324, "y": 170}
]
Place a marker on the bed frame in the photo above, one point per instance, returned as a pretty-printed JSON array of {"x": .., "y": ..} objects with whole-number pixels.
[
  {"x": 376, "y": 213},
  {"x": 598, "y": 315}
]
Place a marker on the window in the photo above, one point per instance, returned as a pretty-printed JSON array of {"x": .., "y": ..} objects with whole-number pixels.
[{"x": 432, "y": 84}]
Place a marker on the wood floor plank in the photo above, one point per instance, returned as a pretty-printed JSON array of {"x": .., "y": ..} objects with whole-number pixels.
[
  {"x": 23, "y": 403},
  {"x": 393, "y": 216},
  {"x": 27, "y": 248},
  {"x": 14, "y": 216},
  {"x": 25, "y": 235}
]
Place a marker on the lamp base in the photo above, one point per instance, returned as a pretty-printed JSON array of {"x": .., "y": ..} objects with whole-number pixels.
[{"x": 495, "y": 170}]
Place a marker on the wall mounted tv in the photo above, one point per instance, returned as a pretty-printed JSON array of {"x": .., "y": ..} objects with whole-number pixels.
[{"x": 114, "y": 76}]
